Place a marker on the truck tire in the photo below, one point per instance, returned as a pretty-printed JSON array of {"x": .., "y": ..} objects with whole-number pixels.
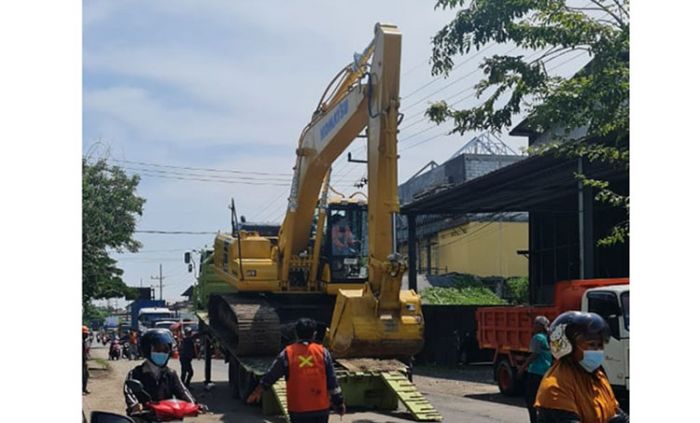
[{"x": 506, "y": 377}]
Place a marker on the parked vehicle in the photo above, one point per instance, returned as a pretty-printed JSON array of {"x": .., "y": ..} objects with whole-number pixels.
[{"x": 507, "y": 330}]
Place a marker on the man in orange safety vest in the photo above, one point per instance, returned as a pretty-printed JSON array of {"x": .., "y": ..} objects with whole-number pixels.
[{"x": 311, "y": 383}]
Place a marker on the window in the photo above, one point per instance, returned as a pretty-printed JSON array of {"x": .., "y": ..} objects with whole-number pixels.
[{"x": 605, "y": 304}]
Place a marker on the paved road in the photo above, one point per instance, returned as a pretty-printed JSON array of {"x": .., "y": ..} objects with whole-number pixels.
[{"x": 460, "y": 395}]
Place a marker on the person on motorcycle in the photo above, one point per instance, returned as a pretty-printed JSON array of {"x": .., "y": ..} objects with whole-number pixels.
[
  {"x": 115, "y": 350},
  {"x": 575, "y": 389},
  {"x": 159, "y": 381}
]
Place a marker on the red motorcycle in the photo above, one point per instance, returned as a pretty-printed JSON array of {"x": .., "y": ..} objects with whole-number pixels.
[{"x": 165, "y": 410}]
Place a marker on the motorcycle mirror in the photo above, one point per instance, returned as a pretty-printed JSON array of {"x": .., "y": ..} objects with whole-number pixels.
[{"x": 104, "y": 417}]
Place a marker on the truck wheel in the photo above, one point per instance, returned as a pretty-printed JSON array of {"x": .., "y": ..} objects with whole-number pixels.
[
  {"x": 505, "y": 376},
  {"x": 233, "y": 378}
]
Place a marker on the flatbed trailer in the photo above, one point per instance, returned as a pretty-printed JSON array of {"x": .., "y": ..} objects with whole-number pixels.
[{"x": 366, "y": 383}]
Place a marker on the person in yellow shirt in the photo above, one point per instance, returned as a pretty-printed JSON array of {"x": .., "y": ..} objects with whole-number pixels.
[{"x": 575, "y": 389}]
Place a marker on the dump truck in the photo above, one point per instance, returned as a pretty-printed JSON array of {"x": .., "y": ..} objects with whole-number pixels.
[
  {"x": 507, "y": 330},
  {"x": 334, "y": 259}
]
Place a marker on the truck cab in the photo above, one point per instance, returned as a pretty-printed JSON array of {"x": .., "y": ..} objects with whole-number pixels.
[
  {"x": 613, "y": 304},
  {"x": 149, "y": 315}
]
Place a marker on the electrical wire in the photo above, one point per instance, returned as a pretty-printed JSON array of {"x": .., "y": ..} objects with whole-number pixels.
[
  {"x": 198, "y": 175},
  {"x": 451, "y": 84},
  {"x": 208, "y": 180},
  {"x": 205, "y": 169},
  {"x": 437, "y": 78},
  {"x": 462, "y": 99},
  {"x": 160, "y": 232}
]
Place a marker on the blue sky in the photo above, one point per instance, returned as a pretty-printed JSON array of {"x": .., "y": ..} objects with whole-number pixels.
[{"x": 229, "y": 85}]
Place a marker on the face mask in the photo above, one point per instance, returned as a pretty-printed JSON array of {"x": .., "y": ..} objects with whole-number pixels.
[
  {"x": 159, "y": 359},
  {"x": 592, "y": 359}
]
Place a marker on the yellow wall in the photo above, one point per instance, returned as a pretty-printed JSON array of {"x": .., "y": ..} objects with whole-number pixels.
[{"x": 482, "y": 248}]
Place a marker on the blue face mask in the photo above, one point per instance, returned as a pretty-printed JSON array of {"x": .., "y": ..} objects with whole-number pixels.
[
  {"x": 592, "y": 359},
  {"x": 159, "y": 358}
]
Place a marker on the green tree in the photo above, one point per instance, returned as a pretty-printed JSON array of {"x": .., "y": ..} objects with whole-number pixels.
[
  {"x": 596, "y": 98},
  {"x": 110, "y": 208}
]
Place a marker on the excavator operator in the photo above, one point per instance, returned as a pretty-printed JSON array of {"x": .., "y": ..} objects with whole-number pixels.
[{"x": 343, "y": 239}]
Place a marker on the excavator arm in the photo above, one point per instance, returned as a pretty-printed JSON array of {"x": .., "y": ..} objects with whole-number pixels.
[
  {"x": 354, "y": 107},
  {"x": 379, "y": 320}
]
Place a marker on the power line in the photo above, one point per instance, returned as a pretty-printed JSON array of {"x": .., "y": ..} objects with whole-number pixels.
[
  {"x": 205, "y": 169},
  {"x": 150, "y": 251},
  {"x": 436, "y": 79},
  {"x": 473, "y": 89},
  {"x": 408, "y": 147},
  {"x": 207, "y": 180},
  {"x": 198, "y": 175},
  {"x": 464, "y": 98},
  {"x": 451, "y": 83},
  {"x": 145, "y": 231}
]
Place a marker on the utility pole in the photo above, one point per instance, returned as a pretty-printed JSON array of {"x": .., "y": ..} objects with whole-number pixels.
[{"x": 160, "y": 278}]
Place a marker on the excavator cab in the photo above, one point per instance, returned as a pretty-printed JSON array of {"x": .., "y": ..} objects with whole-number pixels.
[{"x": 345, "y": 246}]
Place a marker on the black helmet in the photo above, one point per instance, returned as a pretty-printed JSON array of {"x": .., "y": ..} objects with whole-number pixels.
[
  {"x": 156, "y": 337},
  {"x": 569, "y": 325}
]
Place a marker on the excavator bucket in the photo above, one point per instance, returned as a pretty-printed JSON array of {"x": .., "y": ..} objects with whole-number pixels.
[{"x": 359, "y": 330}]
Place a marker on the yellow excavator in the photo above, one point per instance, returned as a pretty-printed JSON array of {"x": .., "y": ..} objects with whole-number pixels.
[{"x": 333, "y": 260}]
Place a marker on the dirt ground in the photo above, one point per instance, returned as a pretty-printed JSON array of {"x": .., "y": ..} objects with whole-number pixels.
[
  {"x": 106, "y": 393},
  {"x": 459, "y": 394}
]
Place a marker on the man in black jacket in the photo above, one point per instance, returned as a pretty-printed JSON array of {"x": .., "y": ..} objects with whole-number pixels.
[
  {"x": 187, "y": 353},
  {"x": 158, "y": 380}
]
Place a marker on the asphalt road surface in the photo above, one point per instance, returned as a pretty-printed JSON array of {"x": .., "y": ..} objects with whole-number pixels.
[{"x": 463, "y": 395}]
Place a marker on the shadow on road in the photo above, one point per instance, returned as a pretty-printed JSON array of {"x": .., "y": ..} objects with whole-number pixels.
[
  {"x": 220, "y": 402},
  {"x": 498, "y": 398},
  {"x": 479, "y": 373}
]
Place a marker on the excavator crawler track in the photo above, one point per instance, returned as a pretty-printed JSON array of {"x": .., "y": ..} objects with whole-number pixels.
[{"x": 251, "y": 326}]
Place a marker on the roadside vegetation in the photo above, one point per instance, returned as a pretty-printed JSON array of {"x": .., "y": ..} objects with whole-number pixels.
[{"x": 466, "y": 289}]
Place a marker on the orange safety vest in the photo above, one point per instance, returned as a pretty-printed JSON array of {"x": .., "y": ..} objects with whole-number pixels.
[{"x": 307, "y": 388}]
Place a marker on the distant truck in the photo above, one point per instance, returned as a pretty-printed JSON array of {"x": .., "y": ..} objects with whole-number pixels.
[
  {"x": 507, "y": 330},
  {"x": 136, "y": 307},
  {"x": 149, "y": 316}
]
